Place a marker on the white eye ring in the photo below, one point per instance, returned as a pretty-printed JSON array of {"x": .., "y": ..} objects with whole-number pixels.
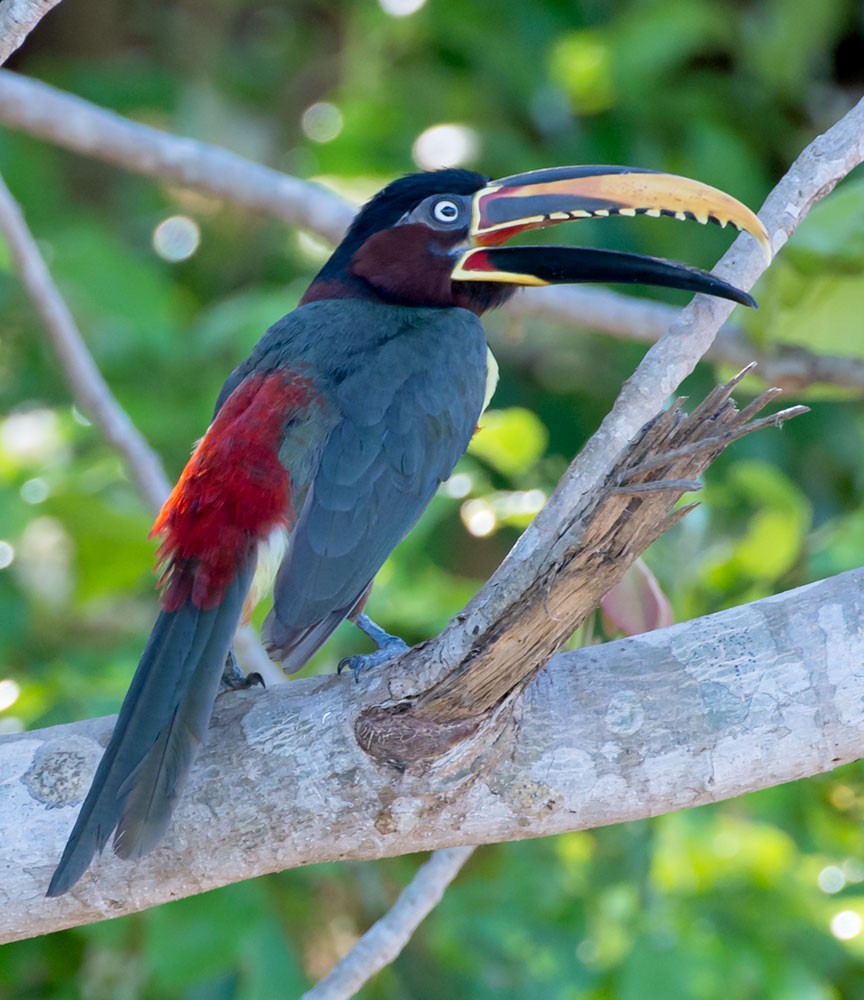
[{"x": 445, "y": 211}]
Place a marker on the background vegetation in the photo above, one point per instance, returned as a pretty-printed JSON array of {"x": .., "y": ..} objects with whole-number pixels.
[{"x": 760, "y": 897}]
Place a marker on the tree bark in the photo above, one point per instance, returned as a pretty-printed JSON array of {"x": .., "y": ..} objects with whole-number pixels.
[
  {"x": 706, "y": 710},
  {"x": 17, "y": 19}
]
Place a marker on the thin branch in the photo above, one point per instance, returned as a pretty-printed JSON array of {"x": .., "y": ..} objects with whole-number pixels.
[
  {"x": 383, "y": 942},
  {"x": 625, "y": 317},
  {"x": 17, "y": 19},
  {"x": 94, "y": 397},
  {"x": 78, "y": 125},
  {"x": 89, "y": 388}
]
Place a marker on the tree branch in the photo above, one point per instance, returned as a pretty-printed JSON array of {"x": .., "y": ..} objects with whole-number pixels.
[
  {"x": 47, "y": 113},
  {"x": 95, "y": 399},
  {"x": 706, "y": 710},
  {"x": 627, "y": 318},
  {"x": 515, "y": 613},
  {"x": 17, "y": 19},
  {"x": 383, "y": 942},
  {"x": 561, "y": 757},
  {"x": 76, "y": 124},
  {"x": 89, "y": 389}
]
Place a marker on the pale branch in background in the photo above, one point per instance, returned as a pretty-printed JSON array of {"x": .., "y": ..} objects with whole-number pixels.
[
  {"x": 628, "y": 318},
  {"x": 76, "y": 124},
  {"x": 89, "y": 388},
  {"x": 93, "y": 396},
  {"x": 17, "y": 19},
  {"x": 383, "y": 942},
  {"x": 50, "y": 114}
]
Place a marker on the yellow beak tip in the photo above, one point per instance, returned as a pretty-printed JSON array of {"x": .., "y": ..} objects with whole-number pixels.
[{"x": 764, "y": 241}]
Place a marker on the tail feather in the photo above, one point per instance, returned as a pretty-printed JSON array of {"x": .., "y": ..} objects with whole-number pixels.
[
  {"x": 293, "y": 647},
  {"x": 162, "y": 723}
]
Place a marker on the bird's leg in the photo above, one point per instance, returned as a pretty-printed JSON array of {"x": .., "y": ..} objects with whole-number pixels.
[
  {"x": 233, "y": 678},
  {"x": 388, "y": 647}
]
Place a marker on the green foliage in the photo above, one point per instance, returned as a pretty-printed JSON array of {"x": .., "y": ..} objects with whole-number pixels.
[{"x": 757, "y": 898}]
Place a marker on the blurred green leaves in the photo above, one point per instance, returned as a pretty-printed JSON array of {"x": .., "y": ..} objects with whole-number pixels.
[
  {"x": 730, "y": 901},
  {"x": 511, "y": 441}
]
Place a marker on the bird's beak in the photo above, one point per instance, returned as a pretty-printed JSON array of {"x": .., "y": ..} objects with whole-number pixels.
[{"x": 546, "y": 197}]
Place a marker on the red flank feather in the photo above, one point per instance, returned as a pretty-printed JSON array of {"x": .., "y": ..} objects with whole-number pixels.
[{"x": 233, "y": 491}]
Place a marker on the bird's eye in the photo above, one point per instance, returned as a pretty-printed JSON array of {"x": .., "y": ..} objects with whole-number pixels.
[{"x": 445, "y": 211}]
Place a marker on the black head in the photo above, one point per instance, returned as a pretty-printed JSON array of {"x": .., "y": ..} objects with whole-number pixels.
[{"x": 403, "y": 244}]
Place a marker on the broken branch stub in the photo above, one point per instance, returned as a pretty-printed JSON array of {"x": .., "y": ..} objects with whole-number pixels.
[{"x": 633, "y": 506}]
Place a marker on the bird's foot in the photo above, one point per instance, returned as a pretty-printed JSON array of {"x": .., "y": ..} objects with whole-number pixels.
[
  {"x": 233, "y": 678},
  {"x": 389, "y": 646}
]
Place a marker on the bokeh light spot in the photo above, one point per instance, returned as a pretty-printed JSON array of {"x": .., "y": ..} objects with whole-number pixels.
[
  {"x": 479, "y": 517},
  {"x": 31, "y": 437},
  {"x": 322, "y": 122},
  {"x": 176, "y": 238},
  {"x": 401, "y": 8},
  {"x": 446, "y": 145},
  {"x": 458, "y": 485},
  {"x": 846, "y": 925},
  {"x": 7, "y": 555},
  {"x": 34, "y": 491},
  {"x": 9, "y": 693},
  {"x": 831, "y": 879}
]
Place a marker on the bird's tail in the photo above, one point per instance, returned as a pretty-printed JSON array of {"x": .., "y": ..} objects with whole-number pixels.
[{"x": 162, "y": 723}]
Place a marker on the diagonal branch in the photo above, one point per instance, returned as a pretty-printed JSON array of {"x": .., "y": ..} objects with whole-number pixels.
[
  {"x": 17, "y": 19},
  {"x": 588, "y": 552},
  {"x": 89, "y": 388},
  {"x": 94, "y": 397},
  {"x": 47, "y": 113},
  {"x": 383, "y": 942}
]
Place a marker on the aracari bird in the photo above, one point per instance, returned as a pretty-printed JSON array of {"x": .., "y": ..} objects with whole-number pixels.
[{"x": 332, "y": 437}]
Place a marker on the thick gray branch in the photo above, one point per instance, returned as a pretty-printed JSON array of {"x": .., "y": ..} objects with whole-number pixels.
[
  {"x": 748, "y": 698},
  {"x": 17, "y": 19}
]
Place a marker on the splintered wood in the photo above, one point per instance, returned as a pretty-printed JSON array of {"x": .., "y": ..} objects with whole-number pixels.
[{"x": 612, "y": 527}]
